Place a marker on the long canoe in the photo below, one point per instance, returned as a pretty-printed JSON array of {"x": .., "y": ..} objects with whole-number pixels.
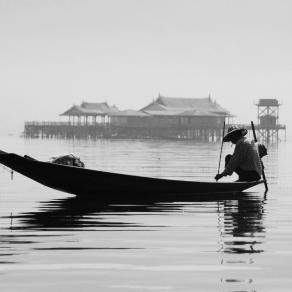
[{"x": 82, "y": 181}]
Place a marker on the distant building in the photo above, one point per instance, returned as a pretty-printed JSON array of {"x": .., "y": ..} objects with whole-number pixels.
[
  {"x": 90, "y": 113},
  {"x": 165, "y": 117},
  {"x": 130, "y": 118},
  {"x": 268, "y": 120},
  {"x": 169, "y": 112},
  {"x": 169, "y": 117}
]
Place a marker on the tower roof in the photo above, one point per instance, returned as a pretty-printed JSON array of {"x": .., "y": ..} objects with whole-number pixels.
[{"x": 268, "y": 102}]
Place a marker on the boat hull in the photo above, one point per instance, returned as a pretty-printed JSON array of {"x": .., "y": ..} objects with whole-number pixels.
[{"x": 82, "y": 181}]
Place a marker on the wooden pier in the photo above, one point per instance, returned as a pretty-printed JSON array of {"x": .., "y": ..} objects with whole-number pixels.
[
  {"x": 267, "y": 134},
  {"x": 164, "y": 118},
  {"x": 66, "y": 130}
]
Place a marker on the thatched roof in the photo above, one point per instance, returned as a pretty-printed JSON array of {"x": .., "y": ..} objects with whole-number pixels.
[
  {"x": 162, "y": 106},
  {"x": 185, "y": 106},
  {"x": 90, "y": 109}
]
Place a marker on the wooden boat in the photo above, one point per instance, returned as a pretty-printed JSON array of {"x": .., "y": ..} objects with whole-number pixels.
[{"x": 82, "y": 181}]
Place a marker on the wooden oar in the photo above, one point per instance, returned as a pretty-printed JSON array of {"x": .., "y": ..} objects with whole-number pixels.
[
  {"x": 223, "y": 132},
  {"x": 263, "y": 171}
]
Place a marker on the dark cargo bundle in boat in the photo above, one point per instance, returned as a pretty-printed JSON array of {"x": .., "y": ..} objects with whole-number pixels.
[{"x": 69, "y": 159}]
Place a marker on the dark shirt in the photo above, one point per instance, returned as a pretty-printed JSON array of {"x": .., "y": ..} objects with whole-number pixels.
[{"x": 245, "y": 157}]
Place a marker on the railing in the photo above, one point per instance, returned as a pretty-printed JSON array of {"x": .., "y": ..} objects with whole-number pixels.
[
  {"x": 45, "y": 123},
  {"x": 248, "y": 126},
  {"x": 57, "y": 124}
]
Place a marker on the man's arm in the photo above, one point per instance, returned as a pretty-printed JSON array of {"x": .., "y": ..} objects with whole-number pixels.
[{"x": 233, "y": 163}]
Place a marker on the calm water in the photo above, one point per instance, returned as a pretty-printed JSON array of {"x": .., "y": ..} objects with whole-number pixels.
[{"x": 51, "y": 241}]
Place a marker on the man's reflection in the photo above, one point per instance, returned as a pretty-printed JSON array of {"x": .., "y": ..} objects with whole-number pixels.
[{"x": 243, "y": 225}]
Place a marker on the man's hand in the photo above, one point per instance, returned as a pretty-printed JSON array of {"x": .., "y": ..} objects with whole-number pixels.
[{"x": 218, "y": 176}]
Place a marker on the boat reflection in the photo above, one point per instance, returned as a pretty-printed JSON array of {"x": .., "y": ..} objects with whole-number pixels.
[{"x": 240, "y": 219}]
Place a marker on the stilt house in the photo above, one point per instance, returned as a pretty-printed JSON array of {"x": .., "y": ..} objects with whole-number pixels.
[
  {"x": 90, "y": 113},
  {"x": 174, "y": 117}
]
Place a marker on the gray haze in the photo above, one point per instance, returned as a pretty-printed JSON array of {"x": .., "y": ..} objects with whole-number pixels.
[{"x": 56, "y": 53}]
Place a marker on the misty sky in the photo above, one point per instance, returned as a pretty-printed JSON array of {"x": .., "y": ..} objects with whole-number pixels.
[{"x": 57, "y": 53}]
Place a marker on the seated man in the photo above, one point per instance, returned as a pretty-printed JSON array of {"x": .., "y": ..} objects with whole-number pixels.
[{"x": 245, "y": 160}]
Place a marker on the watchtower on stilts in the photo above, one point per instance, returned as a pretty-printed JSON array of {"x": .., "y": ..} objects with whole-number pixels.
[{"x": 268, "y": 120}]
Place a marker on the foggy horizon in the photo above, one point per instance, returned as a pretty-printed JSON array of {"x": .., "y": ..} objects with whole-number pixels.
[
  {"x": 58, "y": 53},
  {"x": 169, "y": 199}
]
